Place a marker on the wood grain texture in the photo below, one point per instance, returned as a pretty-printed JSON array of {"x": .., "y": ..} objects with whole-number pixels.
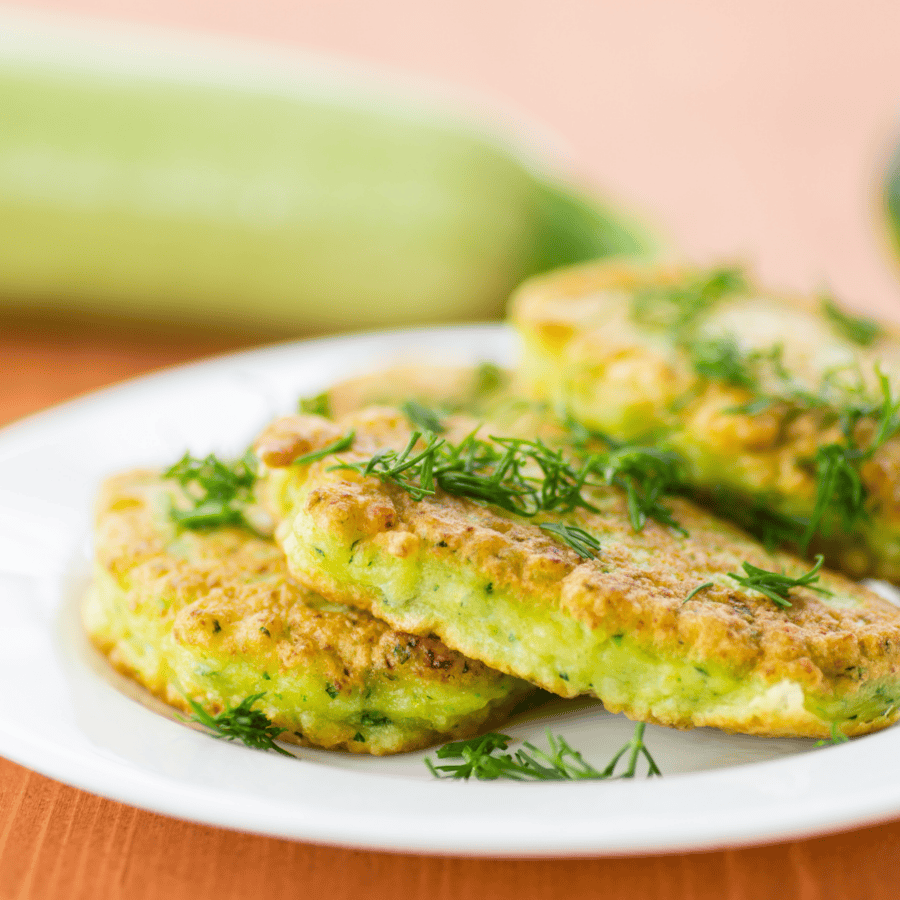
[
  {"x": 47, "y": 362},
  {"x": 59, "y": 843}
]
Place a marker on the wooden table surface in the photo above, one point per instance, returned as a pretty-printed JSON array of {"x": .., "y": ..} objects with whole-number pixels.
[{"x": 757, "y": 131}]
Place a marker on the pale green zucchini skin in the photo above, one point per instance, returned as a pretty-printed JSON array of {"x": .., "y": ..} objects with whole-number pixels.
[{"x": 137, "y": 194}]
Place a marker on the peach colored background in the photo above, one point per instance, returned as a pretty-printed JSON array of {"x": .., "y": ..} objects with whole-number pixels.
[
  {"x": 754, "y": 130},
  {"x": 751, "y": 130}
]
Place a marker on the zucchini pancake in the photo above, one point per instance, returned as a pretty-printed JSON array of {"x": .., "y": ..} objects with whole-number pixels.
[
  {"x": 213, "y": 616},
  {"x": 681, "y": 619},
  {"x": 785, "y": 411}
]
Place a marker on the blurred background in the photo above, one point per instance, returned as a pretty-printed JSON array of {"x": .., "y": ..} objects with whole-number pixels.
[{"x": 758, "y": 133}]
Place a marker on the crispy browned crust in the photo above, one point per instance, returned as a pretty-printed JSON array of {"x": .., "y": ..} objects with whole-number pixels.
[
  {"x": 290, "y": 437},
  {"x": 230, "y": 592},
  {"x": 830, "y": 645}
]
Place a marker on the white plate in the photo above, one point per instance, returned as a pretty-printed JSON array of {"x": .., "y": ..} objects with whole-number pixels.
[{"x": 64, "y": 713}]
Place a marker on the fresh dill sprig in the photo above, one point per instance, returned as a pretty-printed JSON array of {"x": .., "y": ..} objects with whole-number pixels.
[
  {"x": 584, "y": 544},
  {"x": 885, "y": 414},
  {"x": 218, "y": 490},
  {"x": 776, "y": 585},
  {"x": 414, "y": 472},
  {"x": 559, "y": 488},
  {"x": 479, "y": 471},
  {"x": 837, "y": 736},
  {"x": 676, "y": 307},
  {"x": 858, "y": 330},
  {"x": 521, "y": 476},
  {"x": 241, "y": 723},
  {"x": 767, "y": 365},
  {"x": 422, "y": 417},
  {"x": 489, "y": 378},
  {"x": 839, "y": 489},
  {"x": 645, "y": 474},
  {"x": 344, "y": 443},
  {"x": 320, "y": 405},
  {"x": 484, "y": 758},
  {"x": 840, "y": 492},
  {"x": 696, "y": 590},
  {"x": 527, "y": 477},
  {"x": 841, "y": 495},
  {"x": 722, "y": 360}
]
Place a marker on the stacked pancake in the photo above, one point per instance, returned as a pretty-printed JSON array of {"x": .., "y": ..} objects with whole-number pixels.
[
  {"x": 212, "y": 616},
  {"x": 423, "y": 574}
]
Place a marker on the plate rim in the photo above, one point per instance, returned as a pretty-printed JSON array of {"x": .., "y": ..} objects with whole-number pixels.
[{"x": 818, "y": 814}]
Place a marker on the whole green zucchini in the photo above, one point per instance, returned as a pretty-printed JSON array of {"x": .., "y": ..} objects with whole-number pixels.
[{"x": 187, "y": 184}]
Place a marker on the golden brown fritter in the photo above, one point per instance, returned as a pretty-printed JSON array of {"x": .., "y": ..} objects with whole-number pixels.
[
  {"x": 214, "y": 615},
  {"x": 620, "y": 626},
  {"x": 748, "y": 387}
]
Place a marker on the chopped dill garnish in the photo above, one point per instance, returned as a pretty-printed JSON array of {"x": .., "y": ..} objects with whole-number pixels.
[
  {"x": 559, "y": 486},
  {"x": 422, "y": 417},
  {"x": 645, "y": 474},
  {"x": 344, "y": 443},
  {"x": 483, "y": 758},
  {"x": 858, "y": 330},
  {"x": 389, "y": 465},
  {"x": 722, "y": 360},
  {"x": 489, "y": 378},
  {"x": 886, "y": 413},
  {"x": 839, "y": 488},
  {"x": 241, "y": 723},
  {"x": 675, "y": 307},
  {"x": 840, "y": 492},
  {"x": 696, "y": 590},
  {"x": 520, "y": 476},
  {"x": 837, "y": 736},
  {"x": 776, "y": 585},
  {"x": 320, "y": 405},
  {"x": 768, "y": 365},
  {"x": 527, "y": 477},
  {"x": 584, "y": 544},
  {"x": 218, "y": 490},
  {"x": 841, "y": 496}
]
